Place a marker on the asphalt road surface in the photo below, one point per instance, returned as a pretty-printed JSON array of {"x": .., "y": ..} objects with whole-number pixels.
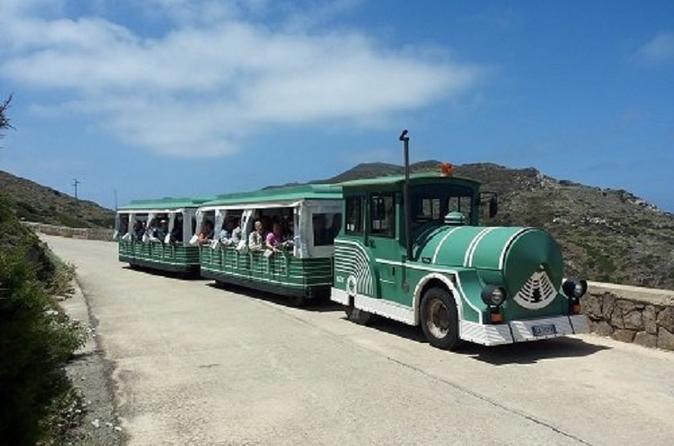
[{"x": 195, "y": 364}]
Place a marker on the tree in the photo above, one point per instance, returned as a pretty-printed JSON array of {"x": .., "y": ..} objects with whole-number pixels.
[{"x": 4, "y": 119}]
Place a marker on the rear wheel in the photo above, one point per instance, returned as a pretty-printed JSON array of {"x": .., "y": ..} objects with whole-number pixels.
[
  {"x": 439, "y": 319},
  {"x": 358, "y": 316}
]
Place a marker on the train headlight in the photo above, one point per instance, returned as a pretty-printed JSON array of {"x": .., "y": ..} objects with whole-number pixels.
[
  {"x": 575, "y": 288},
  {"x": 493, "y": 295}
]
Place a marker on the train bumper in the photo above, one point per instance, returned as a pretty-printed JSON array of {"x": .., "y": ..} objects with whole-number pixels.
[{"x": 523, "y": 331}]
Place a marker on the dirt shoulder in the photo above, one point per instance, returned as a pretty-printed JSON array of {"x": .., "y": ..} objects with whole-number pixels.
[{"x": 91, "y": 374}]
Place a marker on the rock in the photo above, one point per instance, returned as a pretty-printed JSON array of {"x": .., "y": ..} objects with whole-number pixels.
[
  {"x": 592, "y": 306},
  {"x": 108, "y": 424},
  {"x": 645, "y": 339},
  {"x": 608, "y": 304},
  {"x": 665, "y": 339},
  {"x": 96, "y": 423},
  {"x": 617, "y": 319},
  {"x": 626, "y": 306},
  {"x": 602, "y": 328},
  {"x": 648, "y": 316},
  {"x": 666, "y": 319},
  {"x": 623, "y": 335},
  {"x": 118, "y": 428},
  {"x": 633, "y": 320}
]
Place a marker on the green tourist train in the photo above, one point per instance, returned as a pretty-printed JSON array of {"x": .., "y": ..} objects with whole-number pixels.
[
  {"x": 412, "y": 249},
  {"x": 409, "y": 248},
  {"x": 460, "y": 281},
  {"x": 297, "y": 262},
  {"x": 156, "y": 233}
]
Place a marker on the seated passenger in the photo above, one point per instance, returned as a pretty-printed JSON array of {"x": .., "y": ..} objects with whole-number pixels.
[
  {"x": 256, "y": 238},
  {"x": 138, "y": 230},
  {"x": 161, "y": 230},
  {"x": 274, "y": 239},
  {"x": 177, "y": 232},
  {"x": 289, "y": 234},
  {"x": 230, "y": 235},
  {"x": 237, "y": 234},
  {"x": 153, "y": 231},
  {"x": 206, "y": 233}
]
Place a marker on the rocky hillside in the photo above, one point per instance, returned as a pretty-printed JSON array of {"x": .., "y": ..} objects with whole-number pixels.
[
  {"x": 34, "y": 202},
  {"x": 606, "y": 235}
]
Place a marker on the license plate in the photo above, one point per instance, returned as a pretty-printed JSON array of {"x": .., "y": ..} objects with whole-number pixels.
[{"x": 544, "y": 330}]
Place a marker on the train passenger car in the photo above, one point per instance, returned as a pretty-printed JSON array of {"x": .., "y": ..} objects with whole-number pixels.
[
  {"x": 307, "y": 218},
  {"x": 458, "y": 280},
  {"x": 156, "y": 234}
]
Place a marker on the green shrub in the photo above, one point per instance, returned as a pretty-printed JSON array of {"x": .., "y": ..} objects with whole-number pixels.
[{"x": 36, "y": 338}]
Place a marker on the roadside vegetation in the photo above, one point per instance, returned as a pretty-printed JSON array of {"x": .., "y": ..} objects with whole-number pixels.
[{"x": 36, "y": 338}]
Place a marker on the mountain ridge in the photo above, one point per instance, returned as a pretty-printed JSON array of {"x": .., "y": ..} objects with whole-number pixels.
[{"x": 34, "y": 202}]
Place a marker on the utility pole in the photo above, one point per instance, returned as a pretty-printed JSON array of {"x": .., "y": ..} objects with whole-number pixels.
[
  {"x": 76, "y": 183},
  {"x": 115, "y": 192}
]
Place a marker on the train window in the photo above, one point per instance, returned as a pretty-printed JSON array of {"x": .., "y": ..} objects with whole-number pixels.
[
  {"x": 430, "y": 209},
  {"x": 326, "y": 227},
  {"x": 123, "y": 224},
  {"x": 382, "y": 215},
  {"x": 354, "y": 215},
  {"x": 461, "y": 204},
  {"x": 282, "y": 216}
]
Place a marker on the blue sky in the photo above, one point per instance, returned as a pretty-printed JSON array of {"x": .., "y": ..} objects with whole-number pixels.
[{"x": 177, "y": 97}]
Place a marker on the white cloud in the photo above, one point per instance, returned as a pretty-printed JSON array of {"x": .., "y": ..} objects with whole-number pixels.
[
  {"x": 201, "y": 88},
  {"x": 660, "y": 49}
]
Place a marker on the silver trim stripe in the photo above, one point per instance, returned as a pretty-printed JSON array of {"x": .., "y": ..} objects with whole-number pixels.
[
  {"x": 442, "y": 242},
  {"x": 475, "y": 239},
  {"x": 358, "y": 266},
  {"x": 508, "y": 243},
  {"x": 480, "y": 237}
]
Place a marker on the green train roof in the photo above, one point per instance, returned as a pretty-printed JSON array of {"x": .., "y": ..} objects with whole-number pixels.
[
  {"x": 280, "y": 194},
  {"x": 415, "y": 178},
  {"x": 164, "y": 203}
]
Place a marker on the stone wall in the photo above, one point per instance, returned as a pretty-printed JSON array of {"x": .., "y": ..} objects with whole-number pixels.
[
  {"x": 631, "y": 314},
  {"x": 63, "y": 231}
]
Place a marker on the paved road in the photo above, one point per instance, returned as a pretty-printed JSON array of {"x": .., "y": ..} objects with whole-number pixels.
[{"x": 199, "y": 365}]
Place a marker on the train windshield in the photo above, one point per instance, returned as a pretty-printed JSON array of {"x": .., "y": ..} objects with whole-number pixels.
[{"x": 431, "y": 202}]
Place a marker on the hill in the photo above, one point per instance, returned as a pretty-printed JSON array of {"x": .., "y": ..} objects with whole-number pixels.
[
  {"x": 34, "y": 202},
  {"x": 606, "y": 235}
]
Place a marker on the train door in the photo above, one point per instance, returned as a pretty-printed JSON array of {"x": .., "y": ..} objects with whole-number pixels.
[{"x": 383, "y": 241}]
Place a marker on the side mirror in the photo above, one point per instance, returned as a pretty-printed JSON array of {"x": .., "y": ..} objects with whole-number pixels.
[
  {"x": 493, "y": 203},
  {"x": 493, "y": 206}
]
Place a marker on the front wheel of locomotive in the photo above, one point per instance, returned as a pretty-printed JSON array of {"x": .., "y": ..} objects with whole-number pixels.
[{"x": 439, "y": 319}]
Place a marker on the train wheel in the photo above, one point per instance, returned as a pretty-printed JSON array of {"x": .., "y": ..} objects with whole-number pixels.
[
  {"x": 358, "y": 316},
  {"x": 439, "y": 319}
]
